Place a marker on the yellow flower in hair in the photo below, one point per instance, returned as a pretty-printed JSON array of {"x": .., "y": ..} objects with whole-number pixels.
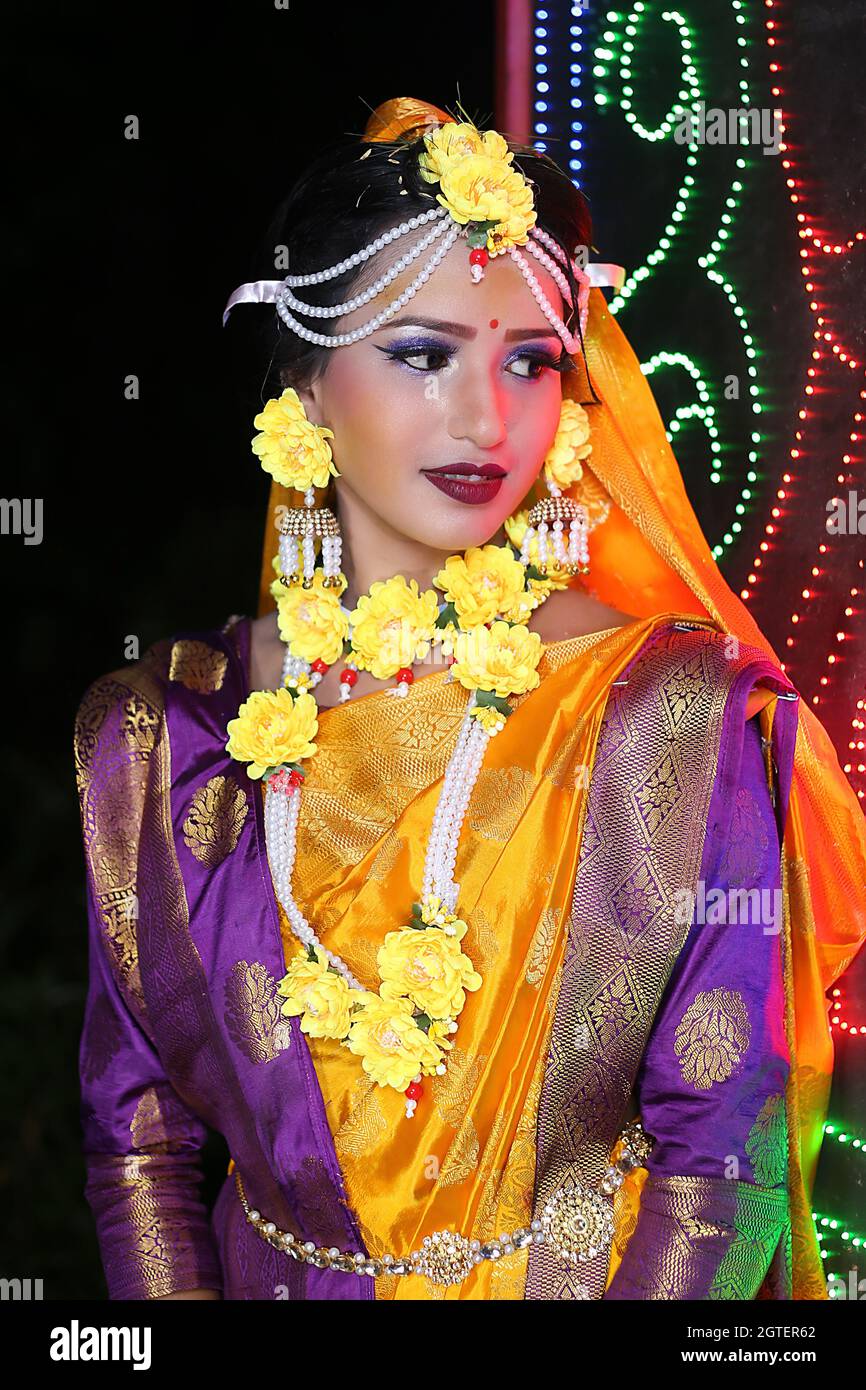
[
  {"x": 429, "y": 967},
  {"x": 291, "y": 448},
  {"x": 321, "y": 996},
  {"x": 393, "y": 626},
  {"x": 392, "y": 1048},
  {"x": 556, "y": 577},
  {"x": 562, "y": 463},
  {"x": 453, "y": 141},
  {"x": 481, "y": 189},
  {"x": 499, "y": 658},
  {"x": 482, "y": 583},
  {"x": 272, "y": 728},
  {"x": 312, "y": 620}
]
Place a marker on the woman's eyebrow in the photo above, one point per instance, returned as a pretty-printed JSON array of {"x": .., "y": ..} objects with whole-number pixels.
[{"x": 463, "y": 330}]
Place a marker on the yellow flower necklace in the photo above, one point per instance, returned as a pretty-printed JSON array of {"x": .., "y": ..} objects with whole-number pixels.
[{"x": 401, "y": 1033}]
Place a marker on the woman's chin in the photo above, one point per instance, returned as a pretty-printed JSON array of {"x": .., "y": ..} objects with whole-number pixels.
[{"x": 472, "y": 531}]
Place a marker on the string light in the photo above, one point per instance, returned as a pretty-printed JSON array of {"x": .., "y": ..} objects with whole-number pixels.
[
  {"x": 829, "y": 356},
  {"x": 613, "y": 67},
  {"x": 853, "y": 1030},
  {"x": 613, "y": 70}
]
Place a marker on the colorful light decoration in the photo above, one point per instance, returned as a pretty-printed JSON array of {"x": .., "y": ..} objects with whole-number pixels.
[
  {"x": 614, "y": 59},
  {"x": 853, "y": 1030},
  {"x": 829, "y": 358},
  {"x": 613, "y": 69},
  {"x": 856, "y": 767}
]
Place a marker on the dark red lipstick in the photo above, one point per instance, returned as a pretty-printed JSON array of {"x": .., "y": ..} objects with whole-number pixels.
[{"x": 473, "y": 483}]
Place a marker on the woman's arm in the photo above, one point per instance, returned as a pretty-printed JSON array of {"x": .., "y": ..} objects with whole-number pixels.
[
  {"x": 141, "y": 1141},
  {"x": 711, "y": 1086}
]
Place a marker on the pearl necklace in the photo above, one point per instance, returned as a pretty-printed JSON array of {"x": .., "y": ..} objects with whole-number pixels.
[{"x": 282, "y": 810}]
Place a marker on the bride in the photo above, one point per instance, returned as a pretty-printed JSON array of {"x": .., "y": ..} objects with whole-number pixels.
[{"x": 482, "y": 891}]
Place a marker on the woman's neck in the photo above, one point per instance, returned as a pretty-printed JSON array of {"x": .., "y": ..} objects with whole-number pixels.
[{"x": 373, "y": 550}]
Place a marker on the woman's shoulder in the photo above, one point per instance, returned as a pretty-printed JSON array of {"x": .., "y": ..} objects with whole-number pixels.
[
  {"x": 124, "y": 706},
  {"x": 688, "y": 634},
  {"x": 574, "y": 612}
]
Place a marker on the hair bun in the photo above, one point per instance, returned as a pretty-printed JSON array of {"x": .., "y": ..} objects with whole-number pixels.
[{"x": 392, "y": 118}]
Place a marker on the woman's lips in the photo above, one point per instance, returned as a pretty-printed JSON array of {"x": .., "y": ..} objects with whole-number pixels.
[{"x": 473, "y": 485}]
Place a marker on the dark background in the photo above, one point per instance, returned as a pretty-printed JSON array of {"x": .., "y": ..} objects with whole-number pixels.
[{"x": 120, "y": 256}]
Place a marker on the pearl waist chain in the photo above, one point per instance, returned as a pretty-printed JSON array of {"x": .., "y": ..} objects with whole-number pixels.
[{"x": 576, "y": 1223}]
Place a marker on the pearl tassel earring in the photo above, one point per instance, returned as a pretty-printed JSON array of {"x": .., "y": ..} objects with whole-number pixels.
[
  {"x": 561, "y": 527},
  {"x": 300, "y": 530}
]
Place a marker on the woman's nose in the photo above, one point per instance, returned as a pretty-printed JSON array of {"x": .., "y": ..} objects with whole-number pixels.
[{"x": 476, "y": 411}]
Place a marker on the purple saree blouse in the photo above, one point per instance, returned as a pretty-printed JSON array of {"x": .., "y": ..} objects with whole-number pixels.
[{"x": 183, "y": 1033}]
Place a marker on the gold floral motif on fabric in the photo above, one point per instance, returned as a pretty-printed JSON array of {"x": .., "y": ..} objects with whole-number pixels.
[
  {"x": 253, "y": 1016},
  {"x": 712, "y": 1037},
  {"x": 216, "y": 816},
  {"x": 197, "y": 666}
]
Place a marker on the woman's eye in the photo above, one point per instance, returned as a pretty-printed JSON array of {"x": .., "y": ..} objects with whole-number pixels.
[
  {"x": 535, "y": 366},
  {"x": 414, "y": 358}
]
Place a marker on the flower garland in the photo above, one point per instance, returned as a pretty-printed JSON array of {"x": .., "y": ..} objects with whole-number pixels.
[{"x": 402, "y": 1032}]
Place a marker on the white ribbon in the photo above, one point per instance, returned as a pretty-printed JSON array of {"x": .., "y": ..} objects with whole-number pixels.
[{"x": 601, "y": 274}]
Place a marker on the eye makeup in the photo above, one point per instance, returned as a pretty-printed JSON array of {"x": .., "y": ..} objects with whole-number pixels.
[{"x": 402, "y": 349}]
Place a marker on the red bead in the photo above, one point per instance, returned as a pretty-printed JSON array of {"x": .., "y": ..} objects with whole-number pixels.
[
  {"x": 296, "y": 778},
  {"x": 319, "y": 666},
  {"x": 348, "y": 677},
  {"x": 414, "y": 1090},
  {"x": 404, "y": 674},
  {"x": 478, "y": 256}
]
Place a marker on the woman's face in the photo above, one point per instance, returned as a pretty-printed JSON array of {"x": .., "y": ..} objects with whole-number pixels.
[{"x": 473, "y": 385}]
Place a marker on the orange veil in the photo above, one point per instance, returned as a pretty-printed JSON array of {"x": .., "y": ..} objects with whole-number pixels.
[{"x": 649, "y": 555}]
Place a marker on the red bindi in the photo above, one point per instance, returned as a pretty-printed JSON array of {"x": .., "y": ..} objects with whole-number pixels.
[{"x": 494, "y": 323}]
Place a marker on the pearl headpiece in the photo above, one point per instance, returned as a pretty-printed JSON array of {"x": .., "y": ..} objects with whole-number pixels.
[{"x": 489, "y": 202}]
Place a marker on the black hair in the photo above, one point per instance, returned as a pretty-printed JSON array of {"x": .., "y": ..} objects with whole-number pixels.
[{"x": 355, "y": 190}]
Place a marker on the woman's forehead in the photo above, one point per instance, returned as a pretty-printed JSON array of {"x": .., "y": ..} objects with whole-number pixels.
[{"x": 502, "y": 296}]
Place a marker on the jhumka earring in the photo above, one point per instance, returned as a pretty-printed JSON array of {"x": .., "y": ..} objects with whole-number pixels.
[
  {"x": 557, "y": 526},
  {"x": 300, "y": 531},
  {"x": 297, "y": 454}
]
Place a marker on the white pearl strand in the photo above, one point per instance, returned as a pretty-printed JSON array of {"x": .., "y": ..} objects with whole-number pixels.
[
  {"x": 377, "y": 244},
  {"x": 298, "y": 553},
  {"x": 571, "y": 343},
  {"x": 286, "y": 301},
  {"x": 577, "y": 271},
  {"x": 575, "y": 551},
  {"x": 333, "y": 311},
  {"x": 345, "y": 339},
  {"x": 550, "y": 265},
  {"x": 282, "y": 810}
]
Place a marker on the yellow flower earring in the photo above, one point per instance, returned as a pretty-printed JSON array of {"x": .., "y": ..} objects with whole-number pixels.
[
  {"x": 297, "y": 454},
  {"x": 554, "y": 541}
]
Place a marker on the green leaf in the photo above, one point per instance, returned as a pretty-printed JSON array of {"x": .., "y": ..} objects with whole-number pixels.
[
  {"x": 532, "y": 572},
  {"x": 423, "y": 1021},
  {"x": 448, "y": 615},
  {"x": 489, "y": 697}
]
